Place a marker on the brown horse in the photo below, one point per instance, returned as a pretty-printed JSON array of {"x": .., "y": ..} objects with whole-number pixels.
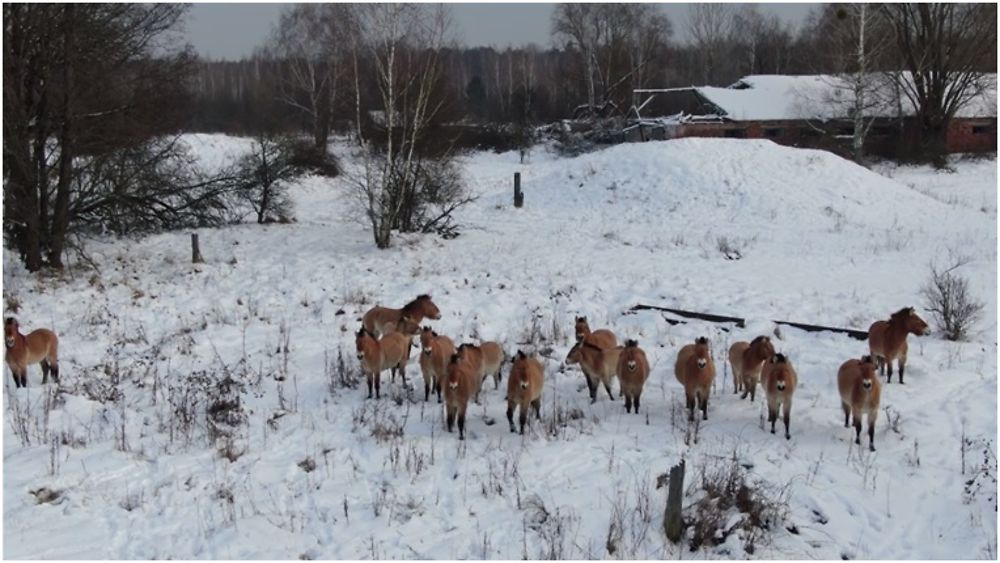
[
  {"x": 435, "y": 353},
  {"x": 383, "y": 320},
  {"x": 747, "y": 359},
  {"x": 696, "y": 372},
  {"x": 887, "y": 339},
  {"x": 486, "y": 360},
  {"x": 860, "y": 391},
  {"x": 39, "y": 346},
  {"x": 524, "y": 389},
  {"x": 633, "y": 370},
  {"x": 779, "y": 383},
  {"x": 598, "y": 365},
  {"x": 392, "y": 351},
  {"x": 459, "y": 386},
  {"x": 602, "y": 338}
]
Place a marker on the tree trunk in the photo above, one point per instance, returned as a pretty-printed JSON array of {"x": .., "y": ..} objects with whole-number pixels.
[{"x": 60, "y": 217}]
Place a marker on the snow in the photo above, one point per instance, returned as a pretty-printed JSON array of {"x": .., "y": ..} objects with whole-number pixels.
[
  {"x": 823, "y": 241},
  {"x": 790, "y": 97}
]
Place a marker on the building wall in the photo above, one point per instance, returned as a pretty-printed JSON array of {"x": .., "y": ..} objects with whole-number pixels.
[
  {"x": 964, "y": 135},
  {"x": 972, "y": 135}
]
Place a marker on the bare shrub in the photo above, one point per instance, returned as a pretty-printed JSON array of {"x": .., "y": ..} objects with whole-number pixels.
[
  {"x": 946, "y": 295},
  {"x": 734, "y": 501}
]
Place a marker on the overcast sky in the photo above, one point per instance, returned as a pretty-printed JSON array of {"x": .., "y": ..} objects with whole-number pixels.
[{"x": 231, "y": 31}]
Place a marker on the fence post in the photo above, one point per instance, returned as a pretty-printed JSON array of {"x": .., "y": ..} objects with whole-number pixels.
[
  {"x": 673, "y": 524},
  {"x": 518, "y": 194},
  {"x": 195, "y": 251}
]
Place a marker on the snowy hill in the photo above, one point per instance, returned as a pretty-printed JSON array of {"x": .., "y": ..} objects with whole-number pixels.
[{"x": 317, "y": 471}]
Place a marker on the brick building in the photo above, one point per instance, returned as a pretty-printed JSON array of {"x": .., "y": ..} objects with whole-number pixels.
[{"x": 806, "y": 111}]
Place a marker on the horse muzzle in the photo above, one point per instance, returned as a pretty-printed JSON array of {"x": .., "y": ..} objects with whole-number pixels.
[
  {"x": 524, "y": 385},
  {"x": 781, "y": 387},
  {"x": 453, "y": 386},
  {"x": 702, "y": 364},
  {"x": 427, "y": 351},
  {"x": 361, "y": 357},
  {"x": 631, "y": 366},
  {"x": 867, "y": 384},
  {"x": 9, "y": 342}
]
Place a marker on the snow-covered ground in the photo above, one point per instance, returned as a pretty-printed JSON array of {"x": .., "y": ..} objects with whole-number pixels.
[{"x": 318, "y": 471}]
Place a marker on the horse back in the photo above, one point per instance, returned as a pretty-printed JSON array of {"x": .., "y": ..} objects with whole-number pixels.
[{"x": 41, "y": 344}]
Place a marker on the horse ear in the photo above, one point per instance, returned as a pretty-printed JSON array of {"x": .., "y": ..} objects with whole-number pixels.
[{"x": 866, "y": 359}]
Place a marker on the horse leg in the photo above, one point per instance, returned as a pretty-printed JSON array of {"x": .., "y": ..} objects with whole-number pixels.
[
  {"x": 370, "y": 378},
  {"x": 537, "y": 404},
  {"x": 888, "y": 362},
  {"x": 786, "y": 408},
  {"x": 847, "y": 414},
  {"x": 704, "y": 406},
  {"x": 461, "y": 423},
  {"x": 772, "y": 416},
  {"x": 510, "y": 415},
  {"x": 592, "y": 386},
  {"x": 857, "y": 429},
  {"x": 378, "y": 384},
  {"x": 450, "y": 418},
  {"x": 628, "y": 403},
  {"x": 607, "y": 386},
  {"x": 54, "y": 370},
  {"x": 45, "y": 371},
  {"x": 871, "y": 433},
  {"x": 753, "y": 390},
  {"x": 522, "y": 417},
  {"x": 902, "y": 366},
  {"x": 690, "y": 407}
]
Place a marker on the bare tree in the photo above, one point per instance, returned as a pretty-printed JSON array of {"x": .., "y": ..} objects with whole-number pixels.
[
  {"x": 710, "y": 27},
  {"x": 946, "y": 295},
  {"x": 403, "y": 44},
  {"x": 79, "y": 80},
  {"x": 311, "y": 39},
  {"x": 615, "y": 43},
  {"x": 264, "y": 174},
  {"x": 948, "y": 50}
]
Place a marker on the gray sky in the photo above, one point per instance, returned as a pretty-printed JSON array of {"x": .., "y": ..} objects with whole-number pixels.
[{"x": 231, "y": 31}]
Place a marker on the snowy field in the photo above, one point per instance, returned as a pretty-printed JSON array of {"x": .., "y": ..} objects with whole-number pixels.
[{"x": 120, "y": 461}]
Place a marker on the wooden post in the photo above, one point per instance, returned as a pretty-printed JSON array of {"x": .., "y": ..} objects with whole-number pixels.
[
  {"x": 518, "y": 194},
  {"x": 195, "y": 251},
  {"x": 673, "y": 524}
]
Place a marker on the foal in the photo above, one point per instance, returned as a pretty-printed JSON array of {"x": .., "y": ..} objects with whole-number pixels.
[
  {"x": 392, "y": 351},
  {"x": 524, "y": 389},
  {"x": 383, "y": 320},
  {"x": 887, "y": 339},
  {"x": 747, "y": 359},
  {"x": 435, "y": 353},
  {"x": 598, "y": 365},
  {"x": 779, "y": 383},
  {"x": 860, "y": 391},
  {"x": 39, "y": 346},
  {"x": 603, "y": 338},
  {"x": 633, "y": 370},
  {"x": 696, "y": 372}
]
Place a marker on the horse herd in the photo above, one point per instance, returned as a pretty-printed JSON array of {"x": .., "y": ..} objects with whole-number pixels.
[
  {"x": 384, "y": 340},
  {"x": 386, "y": 335}
]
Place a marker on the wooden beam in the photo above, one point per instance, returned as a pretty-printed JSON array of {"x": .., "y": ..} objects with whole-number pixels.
[{"x": 853, "y": 333}]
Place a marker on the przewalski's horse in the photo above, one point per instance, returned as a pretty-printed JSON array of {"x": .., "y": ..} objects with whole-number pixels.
[
  {"x": 598, "y": 365},
  {"x": 633, "y": 370},
  {"x": 860, "y": 391},
  {"x": 392, "y": 351},
  {"x": 524, "y": 389},
  {"x": 887, "y": 339},
  {"x": 459, "y": 386},
  {"x": 747, "y": 359},
  {"x": 779, "y": 381},
  {"x": 486, "y": 360},
  {"x": 38, "y": 346},
  {"x": 696, "y": 372},
  {"x": 602, "y": 338},
  {"x": 435, "y": 353},
  {"x": 383, "y": 320}
]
